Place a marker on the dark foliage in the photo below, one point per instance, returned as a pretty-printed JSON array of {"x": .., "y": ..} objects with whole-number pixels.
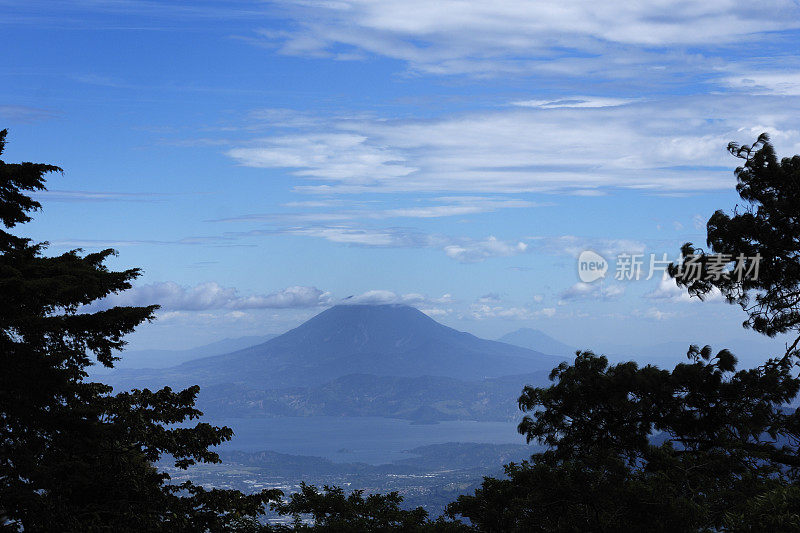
[
  {"x": 331, "y": 510},
  {"x": 73, "y": 456},
  {"x": 767, "y": 226},
  {"x": 702, "y": 447}
]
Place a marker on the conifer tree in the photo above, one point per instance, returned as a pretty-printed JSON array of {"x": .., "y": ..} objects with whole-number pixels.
[
  {"x": 701, "y": 447},
  {"x": 73, "y": 455}
]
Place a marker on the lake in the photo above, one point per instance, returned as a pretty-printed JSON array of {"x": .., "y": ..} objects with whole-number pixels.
[{"x": 358, "y": 439}]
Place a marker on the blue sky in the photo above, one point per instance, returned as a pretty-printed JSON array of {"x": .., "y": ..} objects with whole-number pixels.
[{"x": 264, "y": 160}]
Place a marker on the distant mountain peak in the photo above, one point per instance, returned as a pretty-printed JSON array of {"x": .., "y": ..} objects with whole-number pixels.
[
  {"x": 534, "y": 339},
  {"x": 383, "y": 340},
  {"x": 365, "y": 327},
  {"x": 351, "y": 314}
]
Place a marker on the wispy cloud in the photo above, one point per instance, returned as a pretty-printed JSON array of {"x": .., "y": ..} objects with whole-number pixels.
[
  {"x": 431, "y": 306},
  {"x": 127, "y": 14},
  {"x": 664, "y": 146},
  {"x": 462, "y": 249},
  {"x": 591, "y": 291},
  {"x": 574, "y": 101},
  {"x": 215, "y": 240},
  {"x": 573, "y": 245},
  {"x": 384, "y": 237},
  {"x": 483, "y": 311},
  {"x": 98, "y": 196},
  {"x": 382, "y": 296},
  {"x": 207, "y": 296},
  {"x": 653, "y": 313},
  {"x": 669, "y": 291},
  {"x": 21, "y": 113},
  {"x": 329, "y": 156},
  {"x": 434, "y": 208},
  {"x": 779, "y": 82},
  {"x": 453, "y": 37},
  {"x": 474, "y": 251}
]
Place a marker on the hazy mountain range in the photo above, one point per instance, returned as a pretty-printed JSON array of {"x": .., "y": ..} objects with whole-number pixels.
[
  {"x": 420, "y": 460},
  {"x": 374, "y": 360},
  {"x": 381, "y": 340},
  {"x": 359, "y": 360},
  {"x": 533, "y": 339},
  {"x": 138, "y": 359},
  {"x": 750, "y": 352}
]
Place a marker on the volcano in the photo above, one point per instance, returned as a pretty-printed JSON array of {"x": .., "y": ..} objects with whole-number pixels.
[{"x": 380, "y": 340}]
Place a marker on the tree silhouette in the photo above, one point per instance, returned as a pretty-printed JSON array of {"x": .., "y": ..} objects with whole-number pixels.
[
  {"x": 73, "y": 456},
  {"x": 701, "y": 447},
  {"x": 333, "y": 511},
  {"x": 767, "y": 227}
]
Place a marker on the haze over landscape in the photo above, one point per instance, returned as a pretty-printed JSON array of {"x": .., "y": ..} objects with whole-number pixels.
[{"x": 386, "y": 386}]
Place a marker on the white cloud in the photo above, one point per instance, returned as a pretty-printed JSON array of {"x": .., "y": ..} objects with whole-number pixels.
[
  {"x": 574, "y": 101},
  {"x": 462, "y": 249},
  {"x": 668, "y": 290},
  {"x": 573, "y": 245},
  {"x": 455, "y": 206},
  {"x": 205, "y": 296},
  {"x": 475, "y": 251},
  {"x": 388, "y": 237},
  {"x": 428, "y": 305},
  {"x": 333, "y": 156},
  {"x": 780, "y": 82},
  {"x": 436, "y": 312},
  {"x": 441, "y": 207},
  {"x": 588, "y": 192},
  {"x": 653, "y": 313},
  {"x": 483, "y": 311},
  {"x": 290, "y": 297},
  {"x": 374, "y": 297},
  {"x": 452, "y": 36},
  {"x": 591, "y": 291},
  {"x": 666, "y": 146}
]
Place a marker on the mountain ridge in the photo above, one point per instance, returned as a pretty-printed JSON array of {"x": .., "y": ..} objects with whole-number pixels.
[
  {"x": 162, "y": 358},
  {"x": 382, "y": 340},
  {"x": 537, "y": 340}
]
